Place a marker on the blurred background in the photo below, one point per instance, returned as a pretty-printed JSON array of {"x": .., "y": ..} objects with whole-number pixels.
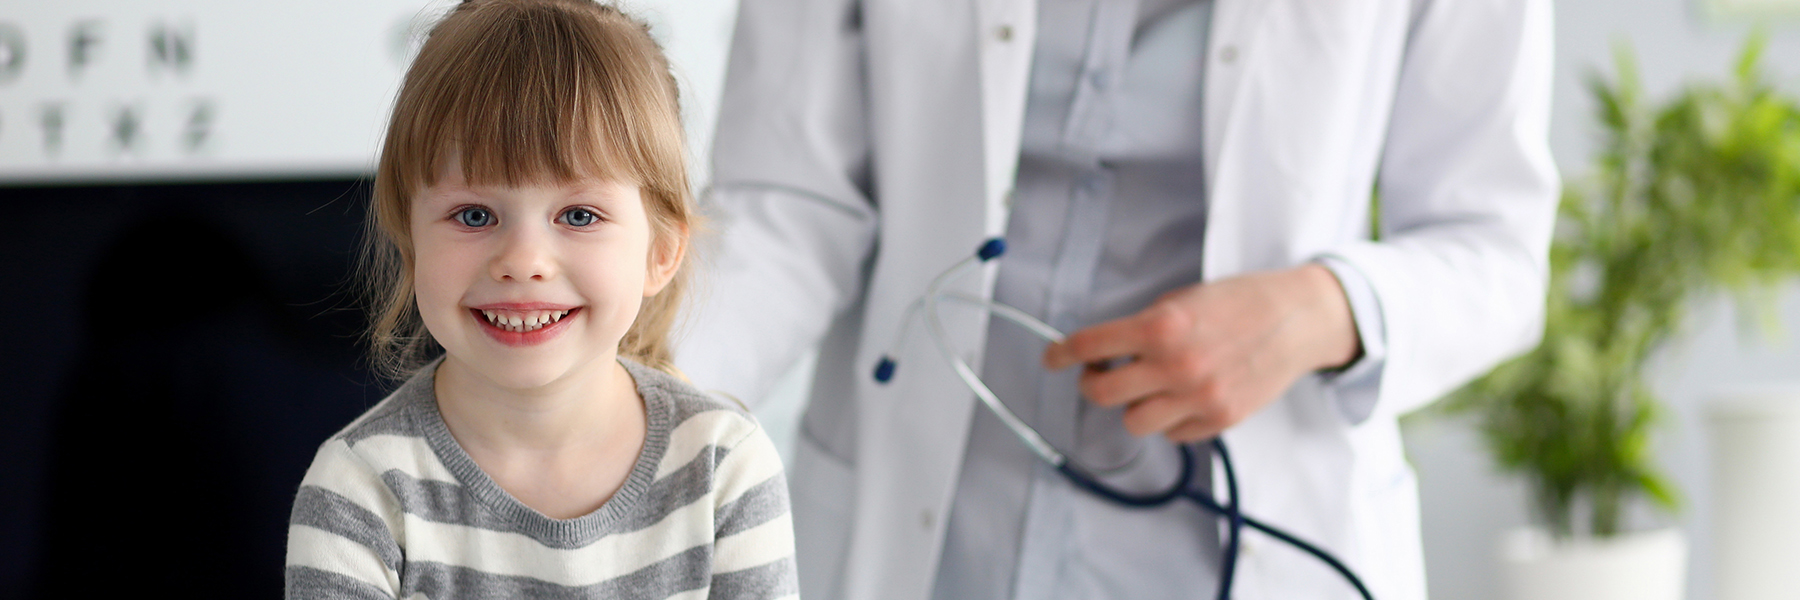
[{"x": 189, "y": 178}]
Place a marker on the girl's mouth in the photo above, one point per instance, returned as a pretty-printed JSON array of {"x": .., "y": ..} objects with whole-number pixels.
[
  {"x": 522, "y": 327},
  {"x": 523, "y": 321}
]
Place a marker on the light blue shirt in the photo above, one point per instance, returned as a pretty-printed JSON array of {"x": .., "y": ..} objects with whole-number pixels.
[{"x": 1109, "y": 213}]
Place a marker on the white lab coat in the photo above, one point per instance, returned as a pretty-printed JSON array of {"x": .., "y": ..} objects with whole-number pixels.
[{"x": 865, "y": 146}]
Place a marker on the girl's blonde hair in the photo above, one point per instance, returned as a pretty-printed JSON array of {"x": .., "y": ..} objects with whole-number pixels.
[{"x": 527, "y": 91}]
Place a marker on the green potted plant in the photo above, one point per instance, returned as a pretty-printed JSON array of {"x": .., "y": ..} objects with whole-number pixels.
[{"x": 1687, "y": 197}]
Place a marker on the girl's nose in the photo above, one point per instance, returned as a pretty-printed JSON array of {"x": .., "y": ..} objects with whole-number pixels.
[{"x": 526, "y": 254}]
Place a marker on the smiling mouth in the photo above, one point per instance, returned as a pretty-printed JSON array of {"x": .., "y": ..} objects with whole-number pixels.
[{"x": 523, "y": 321}]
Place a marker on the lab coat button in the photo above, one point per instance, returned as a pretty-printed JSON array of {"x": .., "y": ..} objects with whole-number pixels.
[
  {"x": 1003, "y": 33},
  {"x": 1101, "y": 79},
  {"x": 1228, "y": 54},
  {"x": 925, "y": 519}
]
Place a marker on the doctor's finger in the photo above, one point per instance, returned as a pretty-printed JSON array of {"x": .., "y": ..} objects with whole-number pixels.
[
  {"x": 1158, "y": 413},
  {"x": 1116, "y": 338},
  {"x": 1119, "y": 385},
  {"x": 1192, "y": 430}
]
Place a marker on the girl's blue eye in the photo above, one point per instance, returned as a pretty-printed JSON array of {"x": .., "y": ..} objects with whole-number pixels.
[
  {"x": 475, "y": 217},
  {"x": 579, "y": 217}
]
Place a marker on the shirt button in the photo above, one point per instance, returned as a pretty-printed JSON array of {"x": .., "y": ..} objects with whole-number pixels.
[
  {"x": 1003, "y": 33},
  {"x": 1228, "y": 54},
  {"x": 925, "y": 519},
  {"x": 1101, "y": 79}
]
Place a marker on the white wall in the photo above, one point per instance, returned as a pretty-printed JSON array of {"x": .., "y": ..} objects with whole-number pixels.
[{"x": 1465, "y": 504}]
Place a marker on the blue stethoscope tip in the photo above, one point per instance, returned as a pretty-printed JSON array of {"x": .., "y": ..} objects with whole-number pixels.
[
  {"x": 884, "y": 370},
  {"x": 990, "y": 249}
]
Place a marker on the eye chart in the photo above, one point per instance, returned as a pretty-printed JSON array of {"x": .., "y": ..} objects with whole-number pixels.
[{"x": 196, "y": 90}]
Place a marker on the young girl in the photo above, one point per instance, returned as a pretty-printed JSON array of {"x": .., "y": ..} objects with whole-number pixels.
[{"x": 530, "y": 217}]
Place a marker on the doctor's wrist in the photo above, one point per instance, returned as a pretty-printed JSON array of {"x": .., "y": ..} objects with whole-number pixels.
[{"x": 1328, "y": 327}]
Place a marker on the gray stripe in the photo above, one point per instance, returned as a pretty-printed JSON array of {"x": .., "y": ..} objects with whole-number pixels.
[
  {"x": 685, "y": 400},
  {"x": 443, "y": 502},
  {"x": 759, "y": 504},
  {"x": 692, "y": 482},
  {"x": 682, "y": 572},
  {"x": 686, "y": 404},
  {"x": 326, "y": 510},
  {"x": 772, "y": 580},
  {"x": 389, "y": 417},
  {"x": 307, "y": 583}
]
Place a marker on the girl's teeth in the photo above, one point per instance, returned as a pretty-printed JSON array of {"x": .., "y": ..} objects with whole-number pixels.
[{"x": 525, "y": 321}]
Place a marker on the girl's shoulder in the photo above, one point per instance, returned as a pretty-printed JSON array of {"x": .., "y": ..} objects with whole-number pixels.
[
  {"x": 694, "y": 415},
  {"x": 391, "y": 437},
  {"x": 394, "y": 415},
  {"x": 709, "y": 442},
  {"x": 344, "y": 530},
  {"x": 716, "y": 448}
]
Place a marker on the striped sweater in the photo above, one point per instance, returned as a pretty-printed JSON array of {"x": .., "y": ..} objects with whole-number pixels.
[{"x": 393, "y": 508}]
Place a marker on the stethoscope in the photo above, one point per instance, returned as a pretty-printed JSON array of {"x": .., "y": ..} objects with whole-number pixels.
[{"x": 1083, "y": 477}]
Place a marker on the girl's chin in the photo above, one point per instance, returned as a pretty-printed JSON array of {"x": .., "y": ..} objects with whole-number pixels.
[{"x": 524, "y": 373}]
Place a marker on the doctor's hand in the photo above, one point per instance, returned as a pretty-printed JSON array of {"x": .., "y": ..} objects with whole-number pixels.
[{"x": 1210, "y": 355}]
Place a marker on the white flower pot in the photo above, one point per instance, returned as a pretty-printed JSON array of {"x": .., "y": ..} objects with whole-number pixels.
[
  {"x": 1634, "y": 566},
  {"x": 1756, "y": 489}
]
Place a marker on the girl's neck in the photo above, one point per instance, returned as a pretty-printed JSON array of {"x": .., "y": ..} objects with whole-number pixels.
[
  {"x": 562, "y": 449},
  {"x": 563, "y": 414}
]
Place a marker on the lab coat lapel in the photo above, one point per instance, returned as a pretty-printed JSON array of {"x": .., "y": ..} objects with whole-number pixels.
[
  {"x": 1232, "y": 44},
  {"x": 941, "y": 124},
  {"x": 1006, "y": 32}
]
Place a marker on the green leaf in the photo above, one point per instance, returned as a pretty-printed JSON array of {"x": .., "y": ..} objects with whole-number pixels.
[{"x": 1687, "y": 196}]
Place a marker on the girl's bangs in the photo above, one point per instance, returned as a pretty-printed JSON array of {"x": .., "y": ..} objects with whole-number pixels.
[{"x": 522, "y": 100}]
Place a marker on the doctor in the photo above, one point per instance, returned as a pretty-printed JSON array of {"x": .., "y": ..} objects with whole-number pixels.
[{"x": 1185, "y": 183}]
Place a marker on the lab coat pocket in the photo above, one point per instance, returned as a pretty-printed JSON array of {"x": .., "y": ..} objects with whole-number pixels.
[{"x": 823, "y": 493}]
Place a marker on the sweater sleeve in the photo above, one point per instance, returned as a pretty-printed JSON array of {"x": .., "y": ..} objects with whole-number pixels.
[
  {"x": 753, "y": 547},
  {"x": 341, "y": 535}
]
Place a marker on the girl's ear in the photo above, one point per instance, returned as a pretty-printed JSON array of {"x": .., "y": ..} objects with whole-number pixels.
[{"x": 666, "y": 255}]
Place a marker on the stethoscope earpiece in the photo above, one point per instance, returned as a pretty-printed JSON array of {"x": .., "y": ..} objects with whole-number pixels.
[
  {"x": 884, "y": 370},
  {"x": 991, "y": 249}
]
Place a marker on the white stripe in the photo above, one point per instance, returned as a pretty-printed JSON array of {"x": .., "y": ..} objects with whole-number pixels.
[
  {"x": 695, "y": 594},
  {"x": 696, "y": 433},
  {"x": 339, "y": 470},
  {"x": 504, "y": 553},
  {"x": 752, "y": 462},
  {"x": 404, "y": 453},
  {"x": 326, "y": 551},
  {"x": 755, "y": 547}
]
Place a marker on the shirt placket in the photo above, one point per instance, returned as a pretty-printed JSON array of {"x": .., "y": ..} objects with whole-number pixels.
[{"x": 1090, "y": 200}]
